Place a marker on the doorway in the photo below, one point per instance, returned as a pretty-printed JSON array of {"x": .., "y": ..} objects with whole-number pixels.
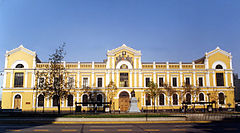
[
  {"x": 17, "y": 102},
  {"x": 124, "y": 101}
]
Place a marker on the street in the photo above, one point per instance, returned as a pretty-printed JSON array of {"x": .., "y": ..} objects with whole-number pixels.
[{"x": 153, "y": 127}]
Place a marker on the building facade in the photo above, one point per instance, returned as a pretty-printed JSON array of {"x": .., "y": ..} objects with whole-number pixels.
[{"x": 212, "y": 74}]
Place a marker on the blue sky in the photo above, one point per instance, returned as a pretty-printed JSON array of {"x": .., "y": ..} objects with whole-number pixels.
[{"x": 164, "y": 30}]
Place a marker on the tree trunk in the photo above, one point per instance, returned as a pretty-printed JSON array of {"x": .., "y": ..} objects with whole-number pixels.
[
  {"x": 59, "y": 105},
  {"x": 154, "y": 105}
]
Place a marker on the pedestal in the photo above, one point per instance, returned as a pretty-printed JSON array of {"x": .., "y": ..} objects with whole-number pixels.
[{"x": 133, "y": 106}]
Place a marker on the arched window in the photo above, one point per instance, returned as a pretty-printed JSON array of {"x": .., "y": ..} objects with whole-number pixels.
[
  {"x": 188, "y": 98},
  {"x": 123, "y": 66},
  {"x": 99, "y": 100},
  {"x": 148, "y": 100},
  {"x": 161, "y": 99},
  {"x": 17, "y": 101},
  {"x": 201, "y": 97},
  {"x": 70, "y": 100},
  {"x": 19, "y": 66},
  {"x": 175, "y": 99},
  {"x": 40, "y": 100},
  {"x": 221, "y": 98},
  {"x": 219, "y": 67},
  {"x": 55, "y": 100},
  {"x": 85, "y": 100}
]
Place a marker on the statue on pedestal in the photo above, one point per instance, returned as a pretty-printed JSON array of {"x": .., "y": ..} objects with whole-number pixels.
[{"x": 133, "y": 103}]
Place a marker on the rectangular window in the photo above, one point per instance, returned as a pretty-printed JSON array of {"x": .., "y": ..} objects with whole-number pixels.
[
  {"x": 200, "y": 81},
  {"x": 160, "y": 82},
  {"x": 174, "y": 80},
  {"x": 187, "y": 81},
  {"x": 147, "y": 82},
  {"x": 18, "y": 80},
  {"x": 99, "y": 83},
  {"x": 123, "y": 79},
  {"x": 85, "y": 82},
  {"x": 70, "y": 82},
  {"x": 220, "y": 80},
  {"x": 148, "y": 100}
]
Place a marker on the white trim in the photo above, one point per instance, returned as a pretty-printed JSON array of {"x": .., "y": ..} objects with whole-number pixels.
[
  {"x": 25, "y": 79},
  {"x": 214, "y": 79},
  {"x": 140, "y": 79},
  {"x": 97, "y": 77},
  {"x": 4, "y": 79},
  {"x": 135, "y": 79},
  {"x": 11, "y": 79},
  {"x": 92, "y": 77},
  {"x": 120, "y": 63},
  {"x": 78, "y": 79},
  {"x": 181, "y": 79},
  {"x": 219, "y": 63},
  {"x": 203, "y": 82},
  {"x": 14, "y": 100},
  {"x": 158, "y": 80},
  {"x": 24, "y": 63},
  {"x": 203, "y": 97},
  {"x": 130, "y": 78},
  {"x": 172, "y": 81},
  {"x": 122, "y": 91},
  {"x": 165, "y": 100},
  {"x": 207, "y": 79},
  {"x": 145, "y": 80},
  {"x": 194, "y": 78},
  {"x": 226, "y": 79},
  {"x": 87, "y": 81},
  {"x": 140, "y": 63}
]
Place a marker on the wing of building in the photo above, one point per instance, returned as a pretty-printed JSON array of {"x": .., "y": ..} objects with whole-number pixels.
[{"x": 212, "y": 75}]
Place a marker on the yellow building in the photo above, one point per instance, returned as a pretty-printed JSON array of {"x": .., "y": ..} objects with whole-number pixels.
[{"x": 212, "y": 74}]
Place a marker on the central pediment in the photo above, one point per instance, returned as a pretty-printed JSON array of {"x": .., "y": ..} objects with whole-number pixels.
[{"x": 126, "y": 48}]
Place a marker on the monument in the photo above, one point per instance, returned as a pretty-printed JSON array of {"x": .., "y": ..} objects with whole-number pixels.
[{"x": 133, "y": 104}]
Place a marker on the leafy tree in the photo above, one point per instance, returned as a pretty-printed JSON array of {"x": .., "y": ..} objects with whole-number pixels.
[
  {"x": 170, "y": 91},
  {"x": 55, "y": 83},
  {"x": 111, "y": 91},
  {"x": 153, "y": 91}
]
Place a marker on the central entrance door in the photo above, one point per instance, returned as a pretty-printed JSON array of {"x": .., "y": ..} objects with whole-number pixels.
[
  {"x": 17, "y": 102},
  {"x": 124, "y": 101}
]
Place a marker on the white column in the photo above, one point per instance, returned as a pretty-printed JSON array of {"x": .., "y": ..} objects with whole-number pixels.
[
  {"x": 140, "y": 63},
  {"x": 214, "y": 79},
  {"x": 154, "y": 77},
  {"x": 78, "y": 80},
  {"x": 140, "y": 79},
  {"x": 231, "y": 78},
  {"x": 113, "y": 62},
  {"x": 193, "y": 64},
  {"x": 25, "y": 79},
  {"x": 33, "y": 80},
  {"x": 77, "y": 97},
  {"x": 206, "y": 64},
  {"x": 92, "y": 79},
  {"x": 11, "y": 79},
  {"x": 168, "y": 78},
  {"x": 135, "y": 79},
  {"x": 226, "y": 79},
  {"x": 93, "y": 65},
  {"x": 62, "y": 100},
  {"x": 194, "y": 79},
  {"x": 108, "y": 63},
  {"x": 207, "y": 79},
  {"x": 231, "y": 62},
  {"x": 180, "y": 65},
  {"x": 167, "y": 65},
  {"x": 48, "y": 102},
  {"x": 154, "y": 65},
  {"x": 117, "y": 79},
  {"x": 4, "y": 79},
  {"x": 113, "y": 76},
  {"x": 130, "y": 85},
  {"x": 135, "y": 63},
  {"x": 181, "y": 79},
  {"x": 107, "y": 78}
]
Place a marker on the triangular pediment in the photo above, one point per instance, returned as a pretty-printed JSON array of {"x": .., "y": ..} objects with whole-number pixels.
[
  {"x": 20, "y": 48},
  {"x": 124, "y": 47},
  {"x": 218, "y": 50}
]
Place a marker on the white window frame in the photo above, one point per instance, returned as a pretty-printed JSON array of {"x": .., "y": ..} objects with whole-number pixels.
[
  {"x": 158, "y": 80},
  {"x": 73, "y": 80},
  {"x": 176, "y": 81},
  {"x": 190, "y": 79},
  {"x": 202, "y": 80},
  {"x": 145, "y": 80},
  {"x": 165, "y": 99},
  {"x": 102, "y": 82},
  {"x": 88, "y": 82}
]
